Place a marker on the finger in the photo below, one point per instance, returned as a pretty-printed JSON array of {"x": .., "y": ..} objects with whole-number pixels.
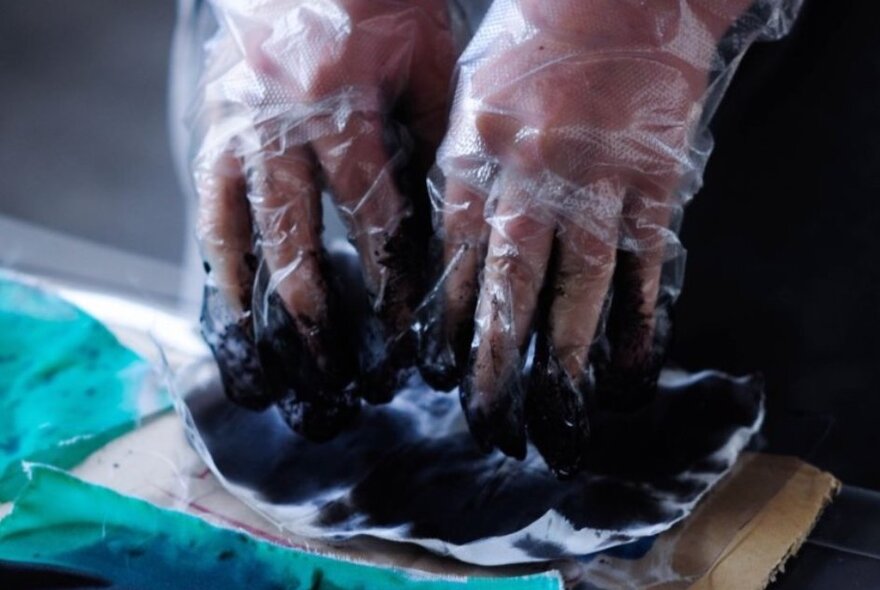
[
  {"x": 305, "y": 356},
  {"x": 492, "y": 391},
  {"x": 639, "y": 320},
  {"x": 448, "y": 325},
  {"x": 562, "y": 382},
  {"x": 427, "y": 98},
  {"x": 639, "y": 327},
  {"x": 224, "y": 233},
  {"x": 360, "y": 174},
  {"x": 286, "y": 207},
  {"x": 223, "y": 228}
]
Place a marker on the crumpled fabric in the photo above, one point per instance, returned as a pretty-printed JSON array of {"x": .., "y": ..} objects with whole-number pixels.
[{"x": 409, "y": 471}]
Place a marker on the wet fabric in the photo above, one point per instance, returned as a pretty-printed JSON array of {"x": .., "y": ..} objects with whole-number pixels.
[
  {"x": 67, "y": 386},
  {"x": 411, "y": 472},
  {"x": 65, "y": 533}
]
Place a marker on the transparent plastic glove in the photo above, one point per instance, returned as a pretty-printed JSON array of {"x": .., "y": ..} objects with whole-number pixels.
[
  {"x": 298, "y": 97},
  {"x": 578, "y": 132}
]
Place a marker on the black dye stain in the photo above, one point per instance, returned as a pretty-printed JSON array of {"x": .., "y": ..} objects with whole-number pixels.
[
  {"x": 316, "y": 370},
  {"x": 33, "y": 576},
  {"x": 628, "y": 363},
  {"x": 444, "y": 349},
  {"x": 539, "y": 548}
]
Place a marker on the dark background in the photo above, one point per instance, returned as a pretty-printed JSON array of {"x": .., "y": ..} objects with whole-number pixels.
[
  {"x": 83, "y": 128},
  {"x": 784, "y": 240},
  {"x": 783, "y": 275}
]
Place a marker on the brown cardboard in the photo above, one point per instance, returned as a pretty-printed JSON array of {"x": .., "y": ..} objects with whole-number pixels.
[
  {"x": 739, "y": 537},
  {"x": 759, "y": 550}
]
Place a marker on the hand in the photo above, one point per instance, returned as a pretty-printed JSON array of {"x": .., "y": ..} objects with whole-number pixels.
[
  {"x": 348, "y": 96},
  {"x": 578, "y": 132}
]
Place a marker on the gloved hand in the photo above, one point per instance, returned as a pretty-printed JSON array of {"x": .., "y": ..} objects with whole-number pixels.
[
  {"x": 298, "y": 97},
  {"x": 578, "y": 132}
]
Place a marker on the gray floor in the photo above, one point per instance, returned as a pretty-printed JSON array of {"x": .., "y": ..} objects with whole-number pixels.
[{"x": 83, "y": 132}]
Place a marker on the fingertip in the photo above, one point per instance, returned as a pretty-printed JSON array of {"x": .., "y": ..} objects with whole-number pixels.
[
  {"x": 443, "y": 345},
  {"x": 321, "y": 419},
  {"x": 557, "y": 411},
  {"x": 447, "y": 317},
  {"x": 639, "y": 330},
  {"x": 496, "y": 419},
  {"x": 302, "y": 354},
  {"x": 231, "y": 340},
  {"x": 389, "y": 370}
]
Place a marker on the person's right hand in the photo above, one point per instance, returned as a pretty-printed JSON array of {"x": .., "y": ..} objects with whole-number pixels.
[
  {"x": 574, "y": 142},
  {"x": 298, "y": 97}
]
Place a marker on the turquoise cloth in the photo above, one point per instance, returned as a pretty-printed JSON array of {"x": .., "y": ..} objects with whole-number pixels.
[
  {"x": 67, "y": 386},
  {"x": 63, "y": 522}
]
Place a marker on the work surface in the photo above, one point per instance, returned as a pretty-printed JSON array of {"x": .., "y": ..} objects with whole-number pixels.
[
  {"x": 735, "y": 539},
  {"x": 844, "y": 549},
  {"x": 739, "y": 535}
]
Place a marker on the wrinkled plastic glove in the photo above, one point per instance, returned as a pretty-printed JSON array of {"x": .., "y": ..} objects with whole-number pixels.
[
  {"x": 299, "y": 97},
  {"x": 577, "y": 134}
]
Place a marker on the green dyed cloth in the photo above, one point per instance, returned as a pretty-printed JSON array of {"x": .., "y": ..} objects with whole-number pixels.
[
  {"x": 67, "y": 386},
  {"x": 60, "y": 521}
]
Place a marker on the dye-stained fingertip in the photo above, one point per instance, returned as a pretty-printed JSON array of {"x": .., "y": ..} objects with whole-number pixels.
[
  {"x": 500, "y": 423},
  {"x": 311, "y": 373},
  {"x": 436, "y": 359},
  {"x": 383, "y": 377},
  {"x": 231, "y": 340},
  {"x": 442, "y": 349},
  {"x": 320, "y": 420},
  {"x": 557, "y": 413}
]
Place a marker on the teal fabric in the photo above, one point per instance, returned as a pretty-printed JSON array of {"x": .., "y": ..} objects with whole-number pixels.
[
  {"x": 60, "y": 521},
  {"x": 67, "y": 386}
]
